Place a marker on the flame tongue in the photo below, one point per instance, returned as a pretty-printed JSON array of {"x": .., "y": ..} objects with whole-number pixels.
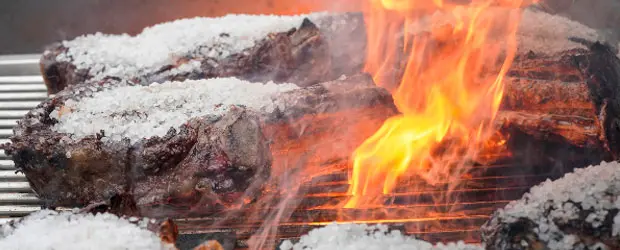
[{"x": 451, "y": 87}]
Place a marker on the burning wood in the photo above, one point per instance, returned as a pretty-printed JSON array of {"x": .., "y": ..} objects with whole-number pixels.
[{"x": 258, "y": 48}]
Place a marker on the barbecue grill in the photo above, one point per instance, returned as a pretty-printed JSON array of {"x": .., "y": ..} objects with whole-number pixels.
[
  {"x": 21, "y": 89},
  {"x": 414, "y": 209}
]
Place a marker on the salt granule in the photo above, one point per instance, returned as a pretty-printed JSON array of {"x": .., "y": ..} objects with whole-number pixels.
[
  {"x": 595, "y": 189},
  {"x": 137, "y": 112},
  {"x": 67, "y": 230},
  {"x": 365, "y": 237}
]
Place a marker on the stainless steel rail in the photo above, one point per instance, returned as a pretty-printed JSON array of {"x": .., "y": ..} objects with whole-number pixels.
[{"x": 21, "y": 89}]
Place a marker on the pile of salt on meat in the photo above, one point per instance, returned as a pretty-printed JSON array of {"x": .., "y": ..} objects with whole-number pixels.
[
  {"x": 578, "y": 211},
  {"x": 128, "y": 56},
  {"x": 200, "y": 141},
  {"x": 48, "y": 229},
  {"x": 141, "y": 112},
  {"x": 253, "y": 47},
  {"x": 365, "y": 237}
]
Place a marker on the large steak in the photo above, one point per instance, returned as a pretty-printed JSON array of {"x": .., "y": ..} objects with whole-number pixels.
[
  {"x": 303, "y": 50},
  {"x": 193, "y": 146}
]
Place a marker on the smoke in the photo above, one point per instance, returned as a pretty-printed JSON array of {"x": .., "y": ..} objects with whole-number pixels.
[{"x": 601, "y": 15}]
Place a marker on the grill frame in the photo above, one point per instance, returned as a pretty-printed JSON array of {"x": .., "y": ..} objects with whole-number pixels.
[{"x": 21, "y": 89}]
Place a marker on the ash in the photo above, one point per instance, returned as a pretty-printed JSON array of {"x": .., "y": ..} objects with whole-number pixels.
[
  {"x": 127, "y": 56},
  {"x": 364, "y": 237},
  {"x": 137, "y": 112},
  {"x": 67, "y": 230},
  {"x": 593, "y": 190}
]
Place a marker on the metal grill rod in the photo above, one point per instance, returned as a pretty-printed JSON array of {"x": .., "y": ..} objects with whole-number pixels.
[{"x": 21, "y": 89}]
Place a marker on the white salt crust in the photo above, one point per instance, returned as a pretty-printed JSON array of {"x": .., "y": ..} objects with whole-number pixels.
[
  {"x": 137, "y": 112},
  {"x": 128, "y": 56},
  {"x": 68, "y": 231},
  {"x": 595, "y": 188},
  {"x": 365, "y": 237}
]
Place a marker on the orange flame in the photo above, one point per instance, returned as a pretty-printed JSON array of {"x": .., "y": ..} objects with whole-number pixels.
[{"x": 450, "y": 87}]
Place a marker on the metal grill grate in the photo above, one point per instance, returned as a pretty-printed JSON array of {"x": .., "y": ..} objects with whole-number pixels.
[{"x": 21, "y": 89}]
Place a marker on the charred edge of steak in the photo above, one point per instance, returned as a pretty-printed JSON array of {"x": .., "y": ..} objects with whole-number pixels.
[
  {"x": 58, "y": 75},
  {"x": 601, "y": 68},
  {"x": 305, "y": 56}
]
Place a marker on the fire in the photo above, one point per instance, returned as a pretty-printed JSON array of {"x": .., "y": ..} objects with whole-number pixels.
[{"x": 448, "y": 92}]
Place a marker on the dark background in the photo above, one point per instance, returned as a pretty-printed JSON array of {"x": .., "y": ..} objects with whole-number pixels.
[{"x": 26, "y": 26}]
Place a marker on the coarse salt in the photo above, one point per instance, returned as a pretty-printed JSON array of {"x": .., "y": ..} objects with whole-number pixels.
[
  {"x": 595, "y": 190},
  {"x": 129, "y": 56},
  {"x": 48, "y": 229},
  {"x": 365, "y": 237},
  {"x": 137, "y": 112}
]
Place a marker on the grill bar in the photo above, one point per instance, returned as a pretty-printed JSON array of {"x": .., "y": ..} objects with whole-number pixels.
[
  {"x": 7, "y": 123},
  {"x": 19, "y": 65},
  {"x": 21, "y": 89}
]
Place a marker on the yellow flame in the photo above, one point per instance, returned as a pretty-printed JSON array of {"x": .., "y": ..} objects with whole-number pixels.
[{"x": 450, "y": 87}]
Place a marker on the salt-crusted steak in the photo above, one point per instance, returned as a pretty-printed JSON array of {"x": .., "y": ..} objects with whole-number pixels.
[
  {"x": 578, "y": 211},
  {"x": 219, "y": 157},
  {"x": 258, "y": 48},
  {"x": 299, "y": 49},
  {"x": 193, "y": 146}
]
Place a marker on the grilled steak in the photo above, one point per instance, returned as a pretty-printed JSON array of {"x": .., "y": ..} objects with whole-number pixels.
[
  {"x": 298, "y": 49},
  {"x": 139, "y": 164}
]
